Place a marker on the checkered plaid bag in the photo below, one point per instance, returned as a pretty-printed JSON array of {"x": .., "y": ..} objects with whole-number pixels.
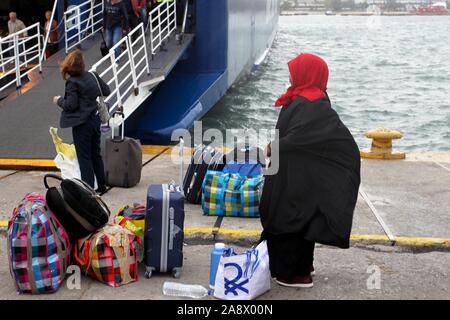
[
  {"x": 109, "y": 255},
  {"x": 231, "y": 195},
  {"x": 38, "y": 247}
]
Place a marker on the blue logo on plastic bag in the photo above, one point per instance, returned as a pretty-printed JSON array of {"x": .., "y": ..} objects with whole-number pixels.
[{"x": 232, "y": 286}]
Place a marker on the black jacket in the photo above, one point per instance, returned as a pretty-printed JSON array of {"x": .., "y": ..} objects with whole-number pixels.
[
  {"x": 80, "y": 99},
  {"x": 316, "y": 187},
  {"x": 115, "y": 15}
]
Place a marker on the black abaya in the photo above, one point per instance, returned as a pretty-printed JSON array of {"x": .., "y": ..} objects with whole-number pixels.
[{"x": 315, "y": 190}]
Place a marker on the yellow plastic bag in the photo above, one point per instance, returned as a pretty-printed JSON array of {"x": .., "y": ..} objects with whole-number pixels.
[{"x": 65, "y": 149}]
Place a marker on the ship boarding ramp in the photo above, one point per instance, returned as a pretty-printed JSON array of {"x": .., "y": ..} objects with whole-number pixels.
[{"x": 147, "y": 57}]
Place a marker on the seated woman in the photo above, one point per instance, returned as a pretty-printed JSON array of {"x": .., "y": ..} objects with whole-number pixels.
[{"x": 313, "y": 195}]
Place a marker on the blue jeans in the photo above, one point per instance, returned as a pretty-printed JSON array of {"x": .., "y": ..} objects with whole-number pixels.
[
  {"x": 143, "y": 16},
  {"x": 112, "y": 36}
]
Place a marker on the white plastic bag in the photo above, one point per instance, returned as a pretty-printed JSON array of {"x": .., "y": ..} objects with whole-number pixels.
[
  {"x": 70, "y": 169},
  {"x": 243, "y": 276}
]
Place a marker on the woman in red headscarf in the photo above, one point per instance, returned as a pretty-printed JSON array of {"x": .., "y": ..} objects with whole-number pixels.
[{"x": 313, "y": 195}]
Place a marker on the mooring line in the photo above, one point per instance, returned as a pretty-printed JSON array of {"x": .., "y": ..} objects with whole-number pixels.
[
  {"x": 9, "y": 174},
  {"x": 384, "y": 226}
]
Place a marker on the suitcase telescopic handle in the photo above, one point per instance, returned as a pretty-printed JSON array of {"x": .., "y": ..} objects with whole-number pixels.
[
  {"x": 122, "y": 125},
  {"x": 53, "y": 176},
  {"x": 181, "y": 162}
]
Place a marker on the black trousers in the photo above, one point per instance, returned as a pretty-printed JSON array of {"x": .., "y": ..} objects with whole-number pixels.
[
  {"x": 290, "y": 254},
  {"x": 86, "y": 138}
]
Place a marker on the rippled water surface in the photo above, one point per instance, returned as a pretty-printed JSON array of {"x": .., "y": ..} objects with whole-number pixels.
[{"x": 384, "y": 72}]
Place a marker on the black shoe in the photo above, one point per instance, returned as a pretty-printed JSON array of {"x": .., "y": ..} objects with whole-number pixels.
[{"x": 101, "y": 190}]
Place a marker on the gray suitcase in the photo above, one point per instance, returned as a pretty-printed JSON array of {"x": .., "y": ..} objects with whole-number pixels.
[{"x": 123, "y": 159}]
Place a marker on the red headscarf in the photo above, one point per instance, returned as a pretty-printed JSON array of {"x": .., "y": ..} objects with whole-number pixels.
[{"x": 309, "y": 75}]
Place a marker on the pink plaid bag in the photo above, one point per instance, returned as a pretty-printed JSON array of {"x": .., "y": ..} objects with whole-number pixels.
[{"x": 38, "y": 247}]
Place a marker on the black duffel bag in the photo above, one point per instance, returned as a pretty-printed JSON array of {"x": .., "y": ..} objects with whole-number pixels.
[{"x": 76, "y": 205}]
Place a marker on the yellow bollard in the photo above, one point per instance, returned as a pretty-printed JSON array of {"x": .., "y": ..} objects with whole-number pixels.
[{"x": 382, "y": 145}]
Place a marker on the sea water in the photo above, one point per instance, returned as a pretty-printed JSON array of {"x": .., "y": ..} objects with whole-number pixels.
[{"x": 384, "y": 72}]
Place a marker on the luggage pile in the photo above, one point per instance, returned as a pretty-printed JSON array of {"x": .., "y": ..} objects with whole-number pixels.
[
  {"x": 69, "y": 221},
  {"x": 224, "y": 188},
  {"x": 69, "y": 224}
]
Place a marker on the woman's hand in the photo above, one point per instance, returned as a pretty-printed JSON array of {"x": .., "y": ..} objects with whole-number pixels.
[
  {"x": 55, "y": 99},
  {"x": 268, "y": 150}
]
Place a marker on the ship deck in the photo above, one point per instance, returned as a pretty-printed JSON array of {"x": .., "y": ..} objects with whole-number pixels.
[{"x": 26, "y": 114}]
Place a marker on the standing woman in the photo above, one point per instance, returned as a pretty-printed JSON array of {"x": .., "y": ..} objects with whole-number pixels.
[
  {"x": 79, "y": 111},
  {"x": 313, "y": 195}
]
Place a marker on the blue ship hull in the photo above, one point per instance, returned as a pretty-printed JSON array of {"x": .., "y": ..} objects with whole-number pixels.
[{"x": 231, "y": 36}]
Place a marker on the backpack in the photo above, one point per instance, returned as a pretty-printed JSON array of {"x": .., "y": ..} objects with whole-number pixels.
[
  {"x": 36, "y": 236},
  {"x": 80, "y": 210}
]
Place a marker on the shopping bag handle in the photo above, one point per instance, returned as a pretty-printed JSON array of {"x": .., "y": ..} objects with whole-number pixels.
[{"x": 80, "y": 262}]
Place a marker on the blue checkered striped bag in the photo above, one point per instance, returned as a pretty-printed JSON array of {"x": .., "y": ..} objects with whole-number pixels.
[
  {"x": 231, "y": 195},
  {"x": 38, "y": 247}
]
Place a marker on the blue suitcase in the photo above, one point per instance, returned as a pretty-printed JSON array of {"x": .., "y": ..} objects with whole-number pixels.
[{"x": 164, "y": 235}]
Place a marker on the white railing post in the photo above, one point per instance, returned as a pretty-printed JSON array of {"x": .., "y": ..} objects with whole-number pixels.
[
  {"x": 145, "y": 50},
  {"x": 159, "y": 23},
  {"x": 66, "y": 33},
  {"x": 150, "y": 21},
  {"x": 174, "y": 16},
  {"x": 41, "y": 58},
  {"x": 17, "y": 61},
  {"x": 92, "y": 16},
  {"x": 129, "y": 43},
  {"x": 39, "y": 50},
  {"x": 1, "y": 57},
  {"x": 115, "y": 76},
  {"x": 78, "y": 11},
  {"x": 185, "y": 16}
]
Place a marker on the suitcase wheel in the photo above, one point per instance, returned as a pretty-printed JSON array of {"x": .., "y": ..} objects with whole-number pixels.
[
  {"x": 176, "y": 273},
  {"x": 148, "y": 272}
]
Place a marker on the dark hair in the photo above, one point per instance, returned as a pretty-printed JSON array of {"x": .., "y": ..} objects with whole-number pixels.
[{"x": 73, "y": 65}]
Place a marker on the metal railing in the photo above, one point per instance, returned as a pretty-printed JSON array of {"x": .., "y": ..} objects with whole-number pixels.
[
  {"x": 17, "y": 52},
  {"x": 162, "y": 21},
  {"x": 82, "y": 22},
  {"x": 50, "y": 26},
  {"x": 123, "y": 72}
]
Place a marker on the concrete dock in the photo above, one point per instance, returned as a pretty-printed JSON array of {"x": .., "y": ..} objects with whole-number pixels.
[{"x": 402, "y": 228}]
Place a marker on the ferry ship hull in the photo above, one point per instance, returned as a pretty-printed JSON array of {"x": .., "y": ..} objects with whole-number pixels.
[{"x": 231, "y": 37}]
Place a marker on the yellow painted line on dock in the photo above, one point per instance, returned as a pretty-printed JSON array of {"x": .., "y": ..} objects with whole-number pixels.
[
  {"x": 27, "y": 163},
  {"x": 156, "y": 149},
  {"x": 159, "y": 149},
  {"x": 423, "y": 242},
  {"x": 400, "y": 241},
  {"x": 369, "y": 237},
  {"x": 205, "y": 231},
  {"x": 239, "y": 233}
]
